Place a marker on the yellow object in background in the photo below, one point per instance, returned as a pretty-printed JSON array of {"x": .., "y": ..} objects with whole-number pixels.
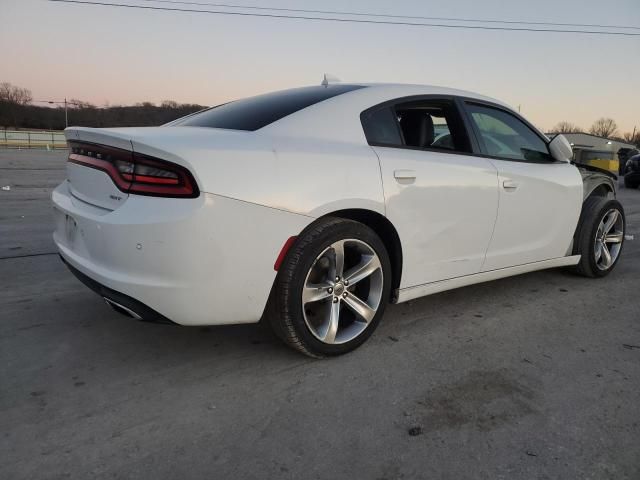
[{"x": 611, "y": 165}]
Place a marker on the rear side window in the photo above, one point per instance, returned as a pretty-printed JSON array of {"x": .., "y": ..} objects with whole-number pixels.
[
  {"x": 505, "y": 136},
  {"x": 432, "y": 125},
  {"x": 429, "y": 124},
  {"x": 257, "y": 112}
]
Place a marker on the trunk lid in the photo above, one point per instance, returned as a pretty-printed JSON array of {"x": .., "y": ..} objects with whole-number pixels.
[
  {"x": 205, "y": 153},
  {"x": 92, "y": 185}
]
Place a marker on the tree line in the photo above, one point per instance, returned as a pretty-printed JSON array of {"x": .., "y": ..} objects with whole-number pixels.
[
  {"x": 17, "y": 111},
  {"x": 603, "y": 127}
]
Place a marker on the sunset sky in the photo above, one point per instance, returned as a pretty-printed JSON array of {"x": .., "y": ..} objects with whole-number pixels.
[{"x": 121, "y": 56}]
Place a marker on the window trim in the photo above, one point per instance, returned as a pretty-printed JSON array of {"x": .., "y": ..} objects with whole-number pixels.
[
  {"x": 452, "y": 99},
  {"x": 460, "y": 102},
  {"x": 464, "y": 101}
]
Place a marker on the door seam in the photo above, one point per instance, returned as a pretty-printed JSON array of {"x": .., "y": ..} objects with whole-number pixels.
[
  {"x": 495, "y": 220},
  {"x": 384, "y": 196}
]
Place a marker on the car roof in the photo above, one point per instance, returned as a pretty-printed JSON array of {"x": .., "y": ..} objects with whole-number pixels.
[
  {"x": 422, "y": 89},
  {"x": 338, "y": 118}
]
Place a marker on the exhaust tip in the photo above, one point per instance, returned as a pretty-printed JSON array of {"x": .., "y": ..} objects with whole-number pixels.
[{"x": 122, "y": 309}]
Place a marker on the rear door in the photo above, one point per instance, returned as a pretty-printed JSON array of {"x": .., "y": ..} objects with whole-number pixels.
[
  {"x": 540, "y": 198},
  {"x": 441, "y": 199}
]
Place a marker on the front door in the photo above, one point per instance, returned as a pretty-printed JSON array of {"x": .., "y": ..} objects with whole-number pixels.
[{"x": 540, "y": 198}]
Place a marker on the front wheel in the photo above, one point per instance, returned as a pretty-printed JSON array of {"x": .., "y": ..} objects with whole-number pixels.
[
  {"x": 332, "y": 288},
  {"x": 599, "y": 237}
]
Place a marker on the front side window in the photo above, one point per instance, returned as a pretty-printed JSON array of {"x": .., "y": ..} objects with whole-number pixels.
[{"x": 505, "y": 136}]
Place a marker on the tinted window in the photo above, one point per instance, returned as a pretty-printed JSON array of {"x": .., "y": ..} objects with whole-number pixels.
[
  {"x": 505, "y": 136},
  {"x": 381, "y": 127},
  {"x": 257, "y": 112}
]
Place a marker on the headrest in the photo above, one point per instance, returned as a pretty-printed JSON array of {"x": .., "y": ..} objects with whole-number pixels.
[{"x": 417, "y": 126}]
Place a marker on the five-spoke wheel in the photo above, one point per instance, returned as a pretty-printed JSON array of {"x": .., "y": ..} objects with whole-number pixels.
[
  {"x": 332, "y": 288},
  {"x": 599, "y": 237},
  {"x": 609, "y": 238},
  {"x": 342, "y": 291}
]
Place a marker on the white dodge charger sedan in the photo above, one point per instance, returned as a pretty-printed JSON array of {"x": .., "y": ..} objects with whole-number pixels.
[{"x": 314, "y": 207}]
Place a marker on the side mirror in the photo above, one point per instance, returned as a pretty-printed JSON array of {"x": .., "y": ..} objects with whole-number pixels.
[{"x": 560, "y": 149}]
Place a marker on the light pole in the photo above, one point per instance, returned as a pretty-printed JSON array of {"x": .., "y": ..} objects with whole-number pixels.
[{"x": 66, "y": 106}]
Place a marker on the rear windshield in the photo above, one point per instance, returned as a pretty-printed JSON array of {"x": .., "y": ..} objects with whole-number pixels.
[{"x": 257, "y": 112}]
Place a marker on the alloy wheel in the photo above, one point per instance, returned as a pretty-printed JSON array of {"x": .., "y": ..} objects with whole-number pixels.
[
  {"x": 342, "y": 291},
  {"x": 609, "y": 237}
]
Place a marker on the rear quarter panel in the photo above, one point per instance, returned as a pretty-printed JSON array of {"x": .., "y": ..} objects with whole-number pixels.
[{"x": 301, "y": 175}]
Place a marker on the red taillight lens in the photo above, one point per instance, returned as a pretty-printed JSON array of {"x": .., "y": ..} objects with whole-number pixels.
[
  {"x": 136, "y": 173},
  {"x": 157, "y": 177}
]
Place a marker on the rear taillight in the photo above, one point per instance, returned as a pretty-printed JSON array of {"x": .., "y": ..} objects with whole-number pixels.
[{"x": 135, "y": 173}]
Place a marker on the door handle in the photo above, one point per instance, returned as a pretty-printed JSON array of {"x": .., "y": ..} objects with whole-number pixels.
[
  {"x": 509, "y": 185},
  {"x": 404, "y": 174}
]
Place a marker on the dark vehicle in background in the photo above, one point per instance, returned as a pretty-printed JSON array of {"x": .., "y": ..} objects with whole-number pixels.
[
  {"x": 624, "y": 154},
  {"x": 632, "y": 172}
]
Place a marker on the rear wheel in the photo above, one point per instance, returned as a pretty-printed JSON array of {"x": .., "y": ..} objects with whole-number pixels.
[
  {"x": 332, "y": 288},
  {"x": 600, "y": 236}
]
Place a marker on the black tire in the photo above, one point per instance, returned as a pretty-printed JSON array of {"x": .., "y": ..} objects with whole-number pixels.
[
  {"x": 629, "y": 184},
  {"x": 594, "y": 210},
  {"x": 285, "y": 309}
]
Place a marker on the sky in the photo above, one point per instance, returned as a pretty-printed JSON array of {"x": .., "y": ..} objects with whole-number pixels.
[{"x": 108, "y": 55}]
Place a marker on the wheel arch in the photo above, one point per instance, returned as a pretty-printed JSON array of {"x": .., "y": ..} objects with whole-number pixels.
[
  {"x": 387, "y": 233},
  {"x": 601, "y": 190},
  {"x": 594, "y": 186},
  {"x": 598, "y": 186}
]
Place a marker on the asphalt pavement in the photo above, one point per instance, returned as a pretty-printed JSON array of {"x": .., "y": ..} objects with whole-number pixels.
[{"x": 529, "y": 377}]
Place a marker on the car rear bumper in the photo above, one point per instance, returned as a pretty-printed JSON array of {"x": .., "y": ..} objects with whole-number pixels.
[
  {"x": 119, "y": 301},
  {"x": 202, "y": 261}
]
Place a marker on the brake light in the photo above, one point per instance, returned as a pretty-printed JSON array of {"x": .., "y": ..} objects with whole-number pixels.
[{"x": 135, "y": 173}]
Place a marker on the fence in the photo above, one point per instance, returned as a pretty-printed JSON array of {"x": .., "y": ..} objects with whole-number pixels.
[{"x": 32, "y": 139}]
